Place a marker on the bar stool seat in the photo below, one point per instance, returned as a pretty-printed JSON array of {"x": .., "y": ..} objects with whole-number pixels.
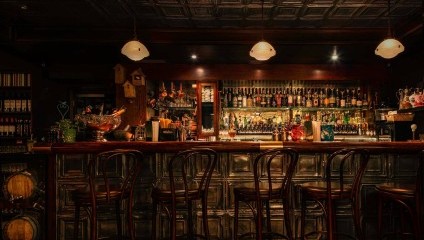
[
  {"x": 248, "y": 189},
  {"x": 397, "y": 188},
  {"x": 318, "y": 189}
]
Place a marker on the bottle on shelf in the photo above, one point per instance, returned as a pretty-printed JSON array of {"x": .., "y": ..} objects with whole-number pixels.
[
  {"x": 359, "y": 102},
  {"x": 244, "y": 98}
]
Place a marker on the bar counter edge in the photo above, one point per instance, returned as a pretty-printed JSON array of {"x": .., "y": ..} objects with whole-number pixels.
[{"x": 169, "y": 147}]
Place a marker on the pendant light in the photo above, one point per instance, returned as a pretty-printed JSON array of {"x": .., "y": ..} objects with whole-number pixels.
[
  {"x": 390, "y": 47},
  {"x": 134, "y": 49},
  {"x": 262, "y": 50}
]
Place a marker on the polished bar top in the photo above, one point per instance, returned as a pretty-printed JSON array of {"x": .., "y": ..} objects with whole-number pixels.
[{"x": 169, "y": 147}]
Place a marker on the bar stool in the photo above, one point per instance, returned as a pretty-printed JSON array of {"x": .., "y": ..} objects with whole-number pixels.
[
  {"x": 407, "y": 196},
  {"x": 111, "y": 179},
  {"x": 272, "y": 174},
  {"x": 325, "y": 193},
  {"x": 190, "y": 173}
]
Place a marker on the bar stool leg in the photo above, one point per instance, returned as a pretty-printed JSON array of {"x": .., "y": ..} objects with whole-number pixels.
[
  {"x": 268, "y": 217},
  {"x": 118, "y": 219},
  {"x": 357, "y": 219},
  {"x": 76, "y": 222},
  {"x": 205, "y": 217},
  {"x": 302, "y": 218},
  {"x": 93, "y": 223},
  {"x": 154, "y": 213},
  {"x": 330, "y": 219},
  {"x": 130, "y": 218},
  {"x": 286, "y": 210},
  {"x": 236, "y": 211},
  {"x": 259, "y": 220},
  {"x": 190, "y": 220},
  {"x": 380, "y": 216}
]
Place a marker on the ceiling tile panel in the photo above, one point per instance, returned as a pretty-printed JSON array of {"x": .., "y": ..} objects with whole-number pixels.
[
  {"x": 315, "y": 12},
  {"x": 202, "y": 11},
  {"x": 206, "y": 23},
  {"x": 231, "y": 12},
  {"x": 286, "y": 12},
  {"x": 343, "y": 12},
  {"x": 371, "y": 12},
  {"x": 173, "y": 11}
]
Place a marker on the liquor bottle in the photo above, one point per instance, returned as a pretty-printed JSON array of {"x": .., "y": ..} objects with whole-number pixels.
[
  {"x": 348, "y": 98},
  {"x": 303, "y": 97},
  {"x": 234, "y": 98},
  {"x": 337, "y": 98},
  {"x": 332, "y": 98},
  {"x": 353, "y": 99},
  {"x": 239, "y": 99},
  {"x": 342, "y": 99},
  {"x": 225, "y": 98},
  {"x": 359, "y": 102},
  {"x": 326, "y": 98},
  {"x": 249, "y": 102},
  {"x": 299, "y": 97},
  {"x": 268, "y": 97},
  {"x": 258, "y": 99},
  {"x": 278, "y": 98},
  {"x": 263, "y": 98},
  {"x": 315, "y": 98},
  {"x": 244, "y": 98},
  {"x": 309, "y": 99},
  {"x": 284, "y": 99},
  {"x": 365, "y": 101},
  {"x": 230, "y": 98},
  {"x": 290, "y": 98},
  {"x": 321, "y": 98},
  {"x": 274, "y": 98}
]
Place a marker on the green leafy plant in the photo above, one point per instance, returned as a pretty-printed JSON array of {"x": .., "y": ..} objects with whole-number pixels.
[{"x": 66, "y": 124}]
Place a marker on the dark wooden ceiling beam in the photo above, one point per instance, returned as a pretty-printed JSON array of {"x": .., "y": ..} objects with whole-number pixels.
[{"x": 202, "y": 36}]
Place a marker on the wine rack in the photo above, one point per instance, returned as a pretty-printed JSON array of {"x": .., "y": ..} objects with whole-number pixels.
[{"x": 15, "y": 110}]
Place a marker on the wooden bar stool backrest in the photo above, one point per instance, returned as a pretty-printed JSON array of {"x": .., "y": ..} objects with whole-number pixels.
[
  {"x": 285, "y": 159},
  {"x": 191, "y": 171},
  {"x": 127, "y": 166},
  {"x": 346, "y": 156}
]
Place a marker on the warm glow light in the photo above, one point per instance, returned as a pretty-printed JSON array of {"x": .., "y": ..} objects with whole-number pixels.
[
  {"x": 135, "y": 50},
  {"x": 334, "y": 57},
  {"x": 389, "y": 48},
  {"x": 194, "y": 56},
  {"x": 262, "y": 51}
]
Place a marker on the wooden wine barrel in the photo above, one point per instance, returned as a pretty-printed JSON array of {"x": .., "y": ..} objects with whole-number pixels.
[
  {"x": 24, "y": 227},
  {"x": 19, "y": 185}
]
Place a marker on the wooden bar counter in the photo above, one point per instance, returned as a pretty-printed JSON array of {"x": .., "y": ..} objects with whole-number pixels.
[{"x": 66, "y": 168}]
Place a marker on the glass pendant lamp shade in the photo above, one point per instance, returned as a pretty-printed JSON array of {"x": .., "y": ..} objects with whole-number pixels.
[
  {"x": 135, "y": 50},
  {"x": 389, "y": 48},
  {"x": 262, "y": 51}
]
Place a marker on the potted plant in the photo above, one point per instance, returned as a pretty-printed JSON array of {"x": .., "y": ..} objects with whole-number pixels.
[{"x": 68, "y": 130}]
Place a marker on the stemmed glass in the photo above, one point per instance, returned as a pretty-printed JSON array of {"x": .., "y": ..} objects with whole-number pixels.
[{"x": 232, "y": 133}]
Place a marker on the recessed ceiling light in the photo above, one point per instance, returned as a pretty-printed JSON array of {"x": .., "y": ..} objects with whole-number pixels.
[
  {"x": 334, "y": 55},
  {"x": 193, "y": 56},
  {"x": 24, "y": 7}
]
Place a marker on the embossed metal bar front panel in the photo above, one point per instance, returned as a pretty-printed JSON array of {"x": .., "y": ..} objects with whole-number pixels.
[{"x": 233, "y": 168}]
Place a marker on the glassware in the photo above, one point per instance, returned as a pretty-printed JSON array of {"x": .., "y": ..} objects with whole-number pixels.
[
  {"x": 232, "y": 133},
  {"x": 100, "y": 124}
]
